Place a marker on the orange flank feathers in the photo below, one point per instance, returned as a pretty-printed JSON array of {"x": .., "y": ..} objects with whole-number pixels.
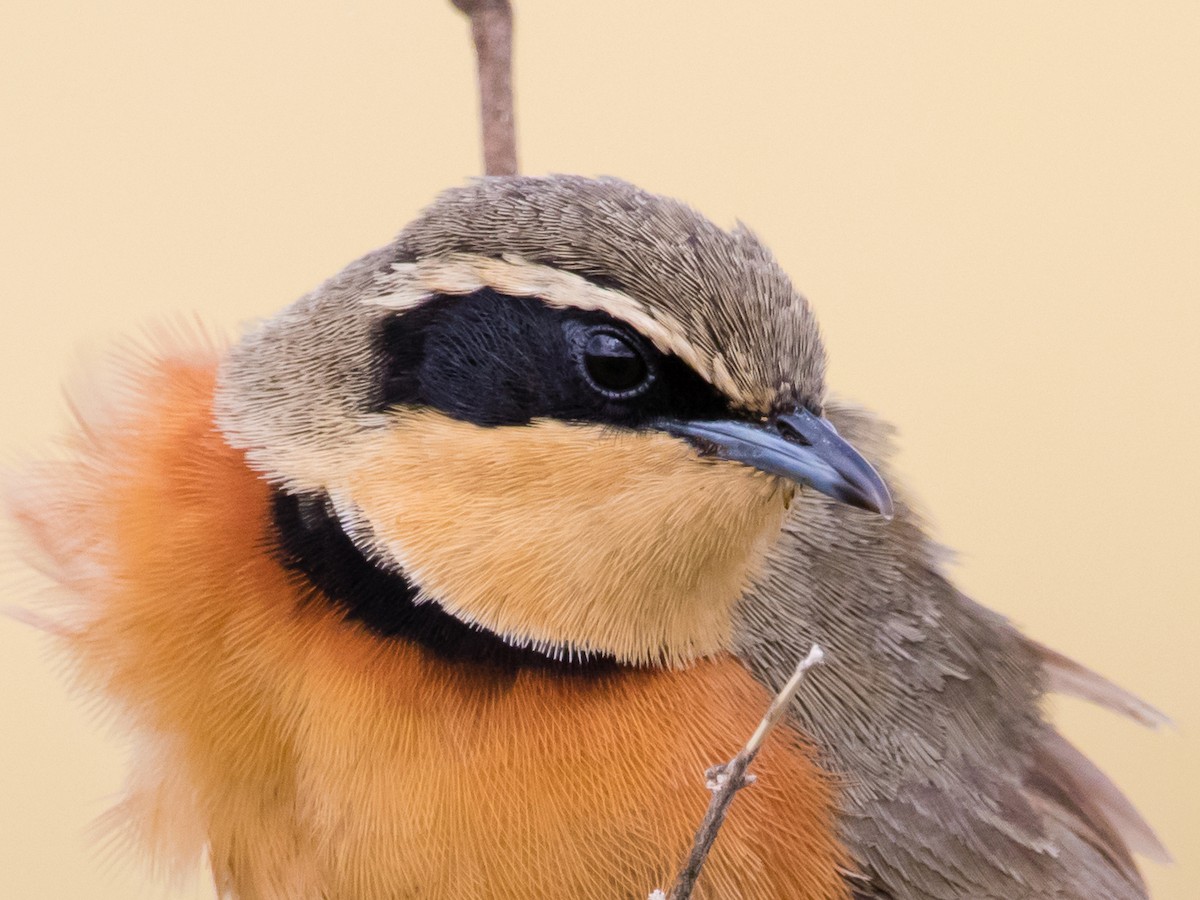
[{"x": 316, "y": 760}]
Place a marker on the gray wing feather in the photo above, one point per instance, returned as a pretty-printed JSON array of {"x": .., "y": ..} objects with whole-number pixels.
[{"x": 928, "y": 709}]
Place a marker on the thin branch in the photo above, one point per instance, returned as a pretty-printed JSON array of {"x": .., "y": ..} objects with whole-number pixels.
[
  {"x": 491, "y": 29},
  {"x": 725, "y": 781}
]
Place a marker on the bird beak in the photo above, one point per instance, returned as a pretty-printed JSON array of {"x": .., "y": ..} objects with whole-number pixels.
[{"x": 798, "y": 446}]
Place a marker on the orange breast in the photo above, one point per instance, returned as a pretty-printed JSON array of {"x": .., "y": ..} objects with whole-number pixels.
[{"x": 317, "y": 760}]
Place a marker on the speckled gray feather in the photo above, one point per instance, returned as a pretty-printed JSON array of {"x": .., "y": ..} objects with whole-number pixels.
[
  {"x": 929, "y": 707},
  {"x": 955, "y": 786}
]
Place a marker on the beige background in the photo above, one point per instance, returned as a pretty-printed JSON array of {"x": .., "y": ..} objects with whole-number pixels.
[{"x": 994, "y": 207}]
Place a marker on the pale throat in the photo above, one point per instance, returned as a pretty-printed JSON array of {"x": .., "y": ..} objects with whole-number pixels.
[{"x": 562, "y": 535}]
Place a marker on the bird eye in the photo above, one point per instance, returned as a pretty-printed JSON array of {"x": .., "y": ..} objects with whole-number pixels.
[{"x": 614, "y": 365}]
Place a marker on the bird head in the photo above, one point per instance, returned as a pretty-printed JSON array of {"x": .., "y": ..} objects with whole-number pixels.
[{"x": 564, "y": 413}]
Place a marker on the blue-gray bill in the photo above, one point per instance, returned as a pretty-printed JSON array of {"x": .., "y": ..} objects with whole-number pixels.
[{"x": 797, "y": 445}]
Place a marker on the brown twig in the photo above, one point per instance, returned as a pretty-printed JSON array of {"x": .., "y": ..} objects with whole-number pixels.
[
  {"x": 726, "y": 780},
  {"x": 491, "y": 29}
]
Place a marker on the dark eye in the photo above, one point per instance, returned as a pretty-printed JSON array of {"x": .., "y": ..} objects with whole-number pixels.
[{"x": 615, "y": 365}]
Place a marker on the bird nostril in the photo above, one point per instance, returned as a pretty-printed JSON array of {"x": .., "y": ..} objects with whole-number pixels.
[{"x": 789, "y": 432}]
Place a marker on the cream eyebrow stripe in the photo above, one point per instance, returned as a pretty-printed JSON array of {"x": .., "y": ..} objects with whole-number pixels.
[{"x": 464, "y": 273}]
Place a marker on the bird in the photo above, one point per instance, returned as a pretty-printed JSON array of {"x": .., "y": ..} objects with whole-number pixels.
[{"x": 451, "y": 578}]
